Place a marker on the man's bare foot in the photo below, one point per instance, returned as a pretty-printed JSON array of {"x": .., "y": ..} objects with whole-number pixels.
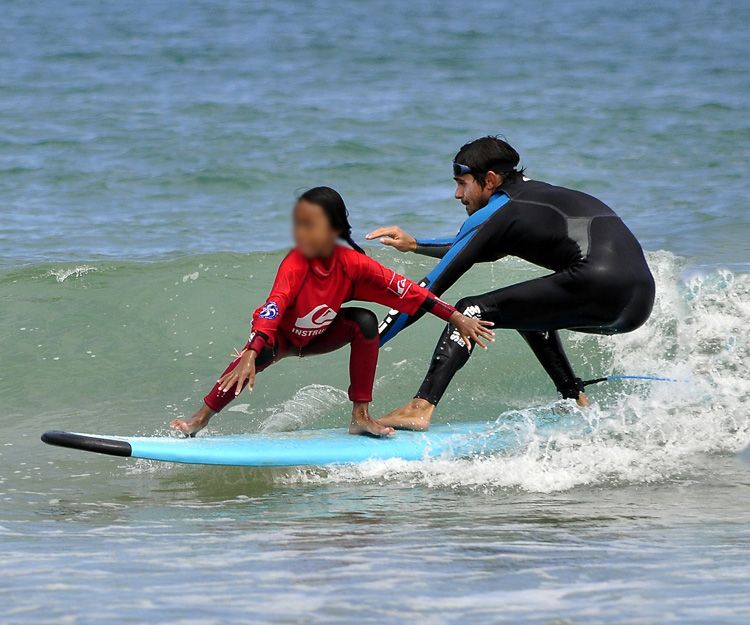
[
  {"x": 415, "y": 415},
  {"x": 189, "y": 427},
  {"x": 362, "y": 423},
  {"x": 582, "y": 400}
]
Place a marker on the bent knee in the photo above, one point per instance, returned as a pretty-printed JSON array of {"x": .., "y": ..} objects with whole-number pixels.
[
  {"x": 469, "y": 306},
  {"x": 365, "y": 320}
]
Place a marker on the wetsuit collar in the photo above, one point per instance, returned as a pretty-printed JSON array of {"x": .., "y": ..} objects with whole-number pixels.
[
  {"x": 509, "y": 188},
  {"x": 496, "y": 200}
]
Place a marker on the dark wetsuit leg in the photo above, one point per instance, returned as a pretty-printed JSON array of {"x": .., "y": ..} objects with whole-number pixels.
[
  {"x": 549, "y": 352},
  {"x": 537, "y": 309}
]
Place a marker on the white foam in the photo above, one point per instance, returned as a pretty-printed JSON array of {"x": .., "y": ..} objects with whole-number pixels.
[{"x": 61, "y": 275}]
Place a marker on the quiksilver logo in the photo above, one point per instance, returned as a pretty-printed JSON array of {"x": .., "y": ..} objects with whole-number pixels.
[
  {"x": 314, "y": 322},
  {"x": 399, "y": 285}
]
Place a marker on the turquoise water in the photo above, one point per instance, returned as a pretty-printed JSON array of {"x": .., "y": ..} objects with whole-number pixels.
[{"x": 149, "y": 155}]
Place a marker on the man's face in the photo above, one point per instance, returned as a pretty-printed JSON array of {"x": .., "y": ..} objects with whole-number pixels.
[{"x": 471, "y": 194}]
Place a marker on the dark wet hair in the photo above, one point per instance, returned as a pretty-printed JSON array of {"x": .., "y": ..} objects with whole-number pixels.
[
  {"x": 491, "y": 153},
  {"x": 333, "y": 206}
]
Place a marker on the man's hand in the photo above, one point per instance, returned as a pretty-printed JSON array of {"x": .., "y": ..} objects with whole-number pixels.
[
  {"x": 244, "y": 371},
  {"x": 395, "y": 237},
  {"x": 472, "y": 330}
]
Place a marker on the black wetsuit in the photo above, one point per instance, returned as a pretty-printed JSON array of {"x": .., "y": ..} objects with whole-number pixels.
[{"x": 601, "y": 282}]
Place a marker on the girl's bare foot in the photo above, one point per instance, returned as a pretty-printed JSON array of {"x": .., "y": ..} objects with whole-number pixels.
[
  {"x": 189, "y": 427},
  {"x": 415, "y": 415},
  {"x": 362, "y": 423}
]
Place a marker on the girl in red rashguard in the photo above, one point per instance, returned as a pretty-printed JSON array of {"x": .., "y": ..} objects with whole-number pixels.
[{"x": 303, "y": 314}]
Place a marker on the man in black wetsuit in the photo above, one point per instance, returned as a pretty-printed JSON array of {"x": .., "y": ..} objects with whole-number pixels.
[{"x": 600, "y": 283}]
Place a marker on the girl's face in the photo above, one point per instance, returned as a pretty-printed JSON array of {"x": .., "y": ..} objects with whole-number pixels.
[{"x": 313, "y": 234}]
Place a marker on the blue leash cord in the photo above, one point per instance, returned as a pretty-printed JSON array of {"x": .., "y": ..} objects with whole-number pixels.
[{"x": 615, "y": 378}]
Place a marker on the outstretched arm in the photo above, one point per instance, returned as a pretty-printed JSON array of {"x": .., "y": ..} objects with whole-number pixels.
[
  {"x": 394, "y": 237},
  {"x": 457, "y": 260},
  {"x": 399, "y": 239},
  {"x": 484, "y": 228},
  {"x": 437, "y": 248},
  {"x": 376, "y": 283}
]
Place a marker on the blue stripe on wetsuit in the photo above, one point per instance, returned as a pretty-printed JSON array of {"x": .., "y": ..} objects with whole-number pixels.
[{"x": 458, "y": 243}]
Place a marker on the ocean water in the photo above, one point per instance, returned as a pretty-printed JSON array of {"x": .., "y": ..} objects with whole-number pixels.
[{"x": 149, "y": 157}]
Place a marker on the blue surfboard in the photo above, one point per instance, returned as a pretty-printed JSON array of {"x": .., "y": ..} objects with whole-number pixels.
[{"x": 320, "y": 447}]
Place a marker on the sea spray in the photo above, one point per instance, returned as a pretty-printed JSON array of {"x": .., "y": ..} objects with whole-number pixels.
[{"x": 307, "y": 405}]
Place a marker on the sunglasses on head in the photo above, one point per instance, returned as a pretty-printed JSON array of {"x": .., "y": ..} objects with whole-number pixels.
[{"x": 460, "y": 170}]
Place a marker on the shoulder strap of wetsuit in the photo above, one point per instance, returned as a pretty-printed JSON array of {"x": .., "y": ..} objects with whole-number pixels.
[{"x": 461, "y": 255}]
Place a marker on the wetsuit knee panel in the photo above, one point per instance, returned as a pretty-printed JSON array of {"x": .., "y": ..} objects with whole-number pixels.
[
  {"x": 636, "y": 310},
  {"x": 365, "y": 319}
]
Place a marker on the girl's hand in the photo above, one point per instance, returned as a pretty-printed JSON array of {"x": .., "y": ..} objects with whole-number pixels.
[
  {"x": 472, "y": 329},
  {"x": 243, "y": 372}
]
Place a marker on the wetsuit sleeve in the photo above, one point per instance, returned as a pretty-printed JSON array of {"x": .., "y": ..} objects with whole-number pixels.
[
  {"x": 286, "y": 286},
  {"x": 485, "y": 227},
  {"x": 374, "y": 282},
  {"x": 437, "y": 248}
]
